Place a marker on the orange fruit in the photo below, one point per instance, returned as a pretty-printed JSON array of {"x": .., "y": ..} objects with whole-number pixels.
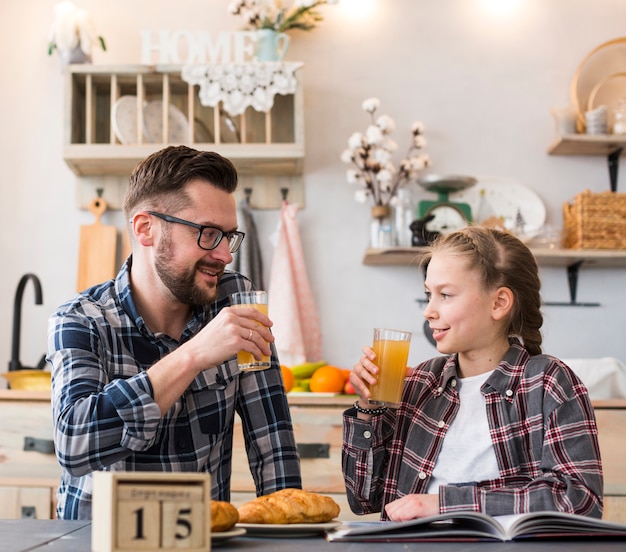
[
  {"x": 346, "y": 373},
  {"x": 327, "y": 379},
  {"x": 288, "y": 378}
]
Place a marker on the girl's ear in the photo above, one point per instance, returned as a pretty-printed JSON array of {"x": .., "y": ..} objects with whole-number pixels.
[{"x": 503, "y": 303}]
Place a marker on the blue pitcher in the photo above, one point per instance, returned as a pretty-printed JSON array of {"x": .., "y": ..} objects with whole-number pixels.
[{"x": 271, "y": 45}]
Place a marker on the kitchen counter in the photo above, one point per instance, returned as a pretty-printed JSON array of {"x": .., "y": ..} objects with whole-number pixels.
[
  {"x": 29, "y": 477},
  {"x": 75, "y": 536}
]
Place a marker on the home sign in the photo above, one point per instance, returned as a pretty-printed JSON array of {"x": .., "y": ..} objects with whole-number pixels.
[{"x": 187, "y": 47}]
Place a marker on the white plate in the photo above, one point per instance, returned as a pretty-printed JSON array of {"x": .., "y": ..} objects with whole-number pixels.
[
  {"x": 178, "y": 126},
  {"x": 227, "y": 535},
  {"x": 506, "y": 198},
  {"x": 603, "y": 61},
  {"x": 124, "y": 119},
  {"x": 287, "y": 530}
]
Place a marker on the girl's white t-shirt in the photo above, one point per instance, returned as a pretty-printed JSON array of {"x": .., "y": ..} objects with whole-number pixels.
[{"x": 467, "y": 452}]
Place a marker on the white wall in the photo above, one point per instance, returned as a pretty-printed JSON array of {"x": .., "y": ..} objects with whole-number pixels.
[{"x": 483, "y": 87}]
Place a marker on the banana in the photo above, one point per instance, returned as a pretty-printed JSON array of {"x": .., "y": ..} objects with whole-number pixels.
[
  {"x": 304, "y": 384},
  {"x": 306, "y": 369}
]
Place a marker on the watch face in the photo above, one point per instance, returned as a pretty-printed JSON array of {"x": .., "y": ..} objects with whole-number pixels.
[{"x": 448, "y": 218}]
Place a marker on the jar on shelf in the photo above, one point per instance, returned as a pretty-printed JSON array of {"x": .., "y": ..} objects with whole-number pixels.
[
  {"x": 404, "y": 214},
  {"x": 619, "y": 117}
]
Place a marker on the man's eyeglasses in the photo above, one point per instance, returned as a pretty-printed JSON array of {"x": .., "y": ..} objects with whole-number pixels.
[{"x": 209, "y": 237}]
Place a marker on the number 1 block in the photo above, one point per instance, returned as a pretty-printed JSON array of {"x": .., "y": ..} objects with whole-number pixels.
[{"x": 138, "y": 525}]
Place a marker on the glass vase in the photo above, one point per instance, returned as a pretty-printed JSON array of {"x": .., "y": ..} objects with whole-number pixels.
[
  {"x": 404, "y": 214},
  {"x": 382, "y": 231}
]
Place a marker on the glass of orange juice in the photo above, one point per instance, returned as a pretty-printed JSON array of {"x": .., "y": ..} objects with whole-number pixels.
[
  {"x": 258, "y": 300},
  {"x": 392, "y": 355}
]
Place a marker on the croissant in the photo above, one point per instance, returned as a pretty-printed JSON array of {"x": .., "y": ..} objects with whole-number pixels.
[
  {"x": 224, "y": 516},
  {"x": 289, "y": 506}
]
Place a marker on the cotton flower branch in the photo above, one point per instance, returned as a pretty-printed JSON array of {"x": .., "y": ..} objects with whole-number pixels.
[
  {"x": 275, "y": 15},
  {"x": 370, "y": 155}
]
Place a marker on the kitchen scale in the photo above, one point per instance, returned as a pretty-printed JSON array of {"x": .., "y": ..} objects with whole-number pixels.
[{"x": 448, "y": 216}]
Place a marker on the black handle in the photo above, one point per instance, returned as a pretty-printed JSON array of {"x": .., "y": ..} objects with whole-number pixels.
[
  {"x": 314, "y": 450},
  {"x": 46, "y": 446}
]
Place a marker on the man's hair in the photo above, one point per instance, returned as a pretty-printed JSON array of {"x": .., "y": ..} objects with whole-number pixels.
[{"x": 158, "y": 182}]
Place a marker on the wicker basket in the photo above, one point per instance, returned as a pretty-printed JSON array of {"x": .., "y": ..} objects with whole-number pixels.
[{"x": 595, "y": 221}]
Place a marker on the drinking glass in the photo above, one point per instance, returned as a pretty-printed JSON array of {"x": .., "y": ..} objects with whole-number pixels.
[
  {"x": 392, "y": 355},
  {"x": 258, "y": 300}
]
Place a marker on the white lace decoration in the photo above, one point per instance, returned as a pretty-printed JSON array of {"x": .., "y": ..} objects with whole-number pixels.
[{"x": 240, "y": 85}]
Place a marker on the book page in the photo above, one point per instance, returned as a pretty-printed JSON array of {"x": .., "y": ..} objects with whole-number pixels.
[
  {"x": 462, "y": 525},
  {"x": 550, "y": 523}
]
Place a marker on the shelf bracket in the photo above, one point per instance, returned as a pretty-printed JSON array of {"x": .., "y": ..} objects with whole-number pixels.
[
  {"x": 572, "y": 282},
  {"x": 613, "y": 161},
  {"x": 572, "y": 279}
]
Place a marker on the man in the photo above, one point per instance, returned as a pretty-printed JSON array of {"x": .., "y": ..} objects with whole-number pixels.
[{"x": 144, "y": 367}]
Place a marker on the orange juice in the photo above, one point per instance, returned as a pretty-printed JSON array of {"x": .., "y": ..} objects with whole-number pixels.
[
  {"x": 392, "y": 356},
  {"x": 246, "y": 360}
]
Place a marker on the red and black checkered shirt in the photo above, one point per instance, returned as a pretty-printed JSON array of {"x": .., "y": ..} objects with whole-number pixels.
[{"x": 542, "y": 427}]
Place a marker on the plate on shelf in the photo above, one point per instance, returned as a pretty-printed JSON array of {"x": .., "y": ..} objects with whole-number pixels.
[
  {"x": 227, "y": 535},
  {"x": 229, "y": 132},
  {"x": 505, "y": 199},
  {"x": 178, "y": 126},
  {"x": 124, "y": 119},
  {"x": 201, "y": 133},
  {"x": 608, "y": 92},
  {"x": 288, "y": 530},
  {"x": 603, "y": 61}
]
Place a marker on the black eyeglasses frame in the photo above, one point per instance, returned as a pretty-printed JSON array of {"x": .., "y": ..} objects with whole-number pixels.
[{"x": 233, "y": 246}]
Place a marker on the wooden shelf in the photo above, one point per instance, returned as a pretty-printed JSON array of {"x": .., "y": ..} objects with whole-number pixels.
[
  {"x": 587, "y": 144},
  {"x": 410, "y": 256},
  {"x": 264, "y": 144},
  {"x": 249, "y": 159}
]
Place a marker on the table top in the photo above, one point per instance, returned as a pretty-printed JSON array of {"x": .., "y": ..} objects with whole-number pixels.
[{"x": 75, "y": 536}]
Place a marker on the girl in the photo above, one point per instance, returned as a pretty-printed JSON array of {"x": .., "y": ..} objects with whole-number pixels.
[{"x": 493, "y": 426}]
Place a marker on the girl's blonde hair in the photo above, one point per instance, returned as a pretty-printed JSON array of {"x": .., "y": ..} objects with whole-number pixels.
[{"x": 503, "y": 261}]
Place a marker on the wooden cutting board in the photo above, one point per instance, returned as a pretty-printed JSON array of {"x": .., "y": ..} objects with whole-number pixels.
[{"x": 97, "y": 249}]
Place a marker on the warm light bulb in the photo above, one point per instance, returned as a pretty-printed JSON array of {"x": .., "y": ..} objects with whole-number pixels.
[
  {"x": 501, "y": 7},
  {"x": 357, "y": 9}
]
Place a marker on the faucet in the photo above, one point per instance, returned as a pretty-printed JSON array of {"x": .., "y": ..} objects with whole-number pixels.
[{"x": 15, "y": 363}]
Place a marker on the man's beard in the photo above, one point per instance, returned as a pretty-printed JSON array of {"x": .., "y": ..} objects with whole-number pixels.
[{"x": 182, "y": 285}]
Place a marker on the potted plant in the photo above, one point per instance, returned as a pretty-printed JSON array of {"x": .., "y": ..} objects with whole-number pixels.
[
  {"x": 73, "y": 34},
  {"x": 273, "y": 18}
]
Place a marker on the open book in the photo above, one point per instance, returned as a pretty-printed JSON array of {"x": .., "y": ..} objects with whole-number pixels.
[{"x": 471, "y": 526}]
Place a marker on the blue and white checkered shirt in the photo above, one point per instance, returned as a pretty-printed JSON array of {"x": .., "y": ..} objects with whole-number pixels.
[{"x": 106, "y": 418}]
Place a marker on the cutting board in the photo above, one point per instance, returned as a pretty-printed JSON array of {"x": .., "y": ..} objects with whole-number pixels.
[{"x": 97, "y": 249}]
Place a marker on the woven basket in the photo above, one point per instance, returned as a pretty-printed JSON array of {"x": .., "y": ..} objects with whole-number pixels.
[{"x": 595, "y": 221}]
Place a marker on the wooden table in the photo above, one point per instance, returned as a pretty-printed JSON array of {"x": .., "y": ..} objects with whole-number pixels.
[{"x": 28, "y": 535}]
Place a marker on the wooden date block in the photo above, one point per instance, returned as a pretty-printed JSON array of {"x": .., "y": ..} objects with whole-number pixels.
[{"x": 151, "y": 512}]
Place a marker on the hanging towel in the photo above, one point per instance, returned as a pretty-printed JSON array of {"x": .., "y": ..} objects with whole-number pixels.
[
  {"x": 291, "y": 303},
  {"x": 248, "y": 259}
]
